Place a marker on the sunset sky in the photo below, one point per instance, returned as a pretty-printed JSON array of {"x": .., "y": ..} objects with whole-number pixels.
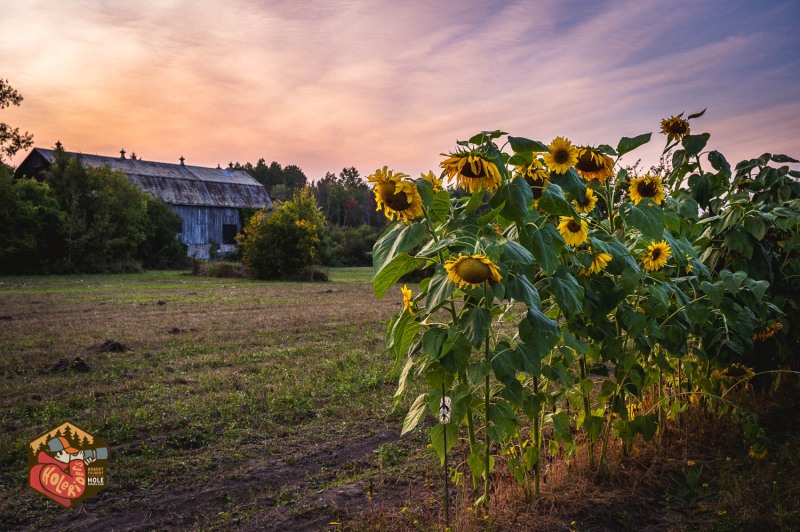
[{"x": 326, "y": 84}]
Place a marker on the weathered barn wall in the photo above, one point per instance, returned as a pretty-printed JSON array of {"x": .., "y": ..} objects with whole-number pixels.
[{"x": 204, "y": 225}]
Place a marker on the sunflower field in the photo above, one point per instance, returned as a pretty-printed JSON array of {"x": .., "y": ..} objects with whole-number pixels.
[{"x": 570, "y": 304}]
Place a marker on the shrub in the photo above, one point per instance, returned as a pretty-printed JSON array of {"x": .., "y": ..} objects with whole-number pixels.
[{"x": 287, "y": 243}]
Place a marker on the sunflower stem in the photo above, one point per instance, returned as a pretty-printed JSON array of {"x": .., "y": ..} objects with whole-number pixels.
[{"x": 487, "y": 456}]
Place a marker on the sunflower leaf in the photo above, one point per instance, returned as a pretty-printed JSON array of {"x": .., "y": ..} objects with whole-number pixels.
[
  {"x": 441, "y": 205},
  {"x": 516, "y": 195},
  {"x": 696, "y": 115},
  {"x": 554, "y": 202},
  {"x": 567, "y": 291},
  {"x": 647, "y": 217},
  {"x": 545, "y": 244},
  {"x": 474, "y": 325},
  {"x": 694, "y": 144},
  {"x": 517, "y": 253},
  {"x": 539, "y": 333},
  {"x": 438, "y": 437},
  {"x": 391, "y": 272},
  {"x": 401, "y": 237},
  {"x": 569, "y": 181},
  {"x": 439, "y": 290},
  {"x": 521, "y": 289},
  {"x": 416, "y": 413},
  {"x": 627, "y": 144},
  {"x": 523, "y": 145}
]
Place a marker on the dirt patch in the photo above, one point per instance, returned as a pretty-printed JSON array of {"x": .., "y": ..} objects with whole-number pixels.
[
  {"x": 107, "y": 346},
  {"x": 78, "y": 365},
  {"x": 287, "y": 494}
]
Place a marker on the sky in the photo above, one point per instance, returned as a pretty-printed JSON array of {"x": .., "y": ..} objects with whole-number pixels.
[{"x": 329, "y": 84}]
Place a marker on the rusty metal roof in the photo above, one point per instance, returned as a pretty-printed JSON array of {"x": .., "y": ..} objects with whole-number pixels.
[{"x": 179, "y": 184}]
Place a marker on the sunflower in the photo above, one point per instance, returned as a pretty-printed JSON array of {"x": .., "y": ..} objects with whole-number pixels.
[
  {"x": 408, "y": 301},
  {"x": 756, "y": 454},
  {"x": 647, "y": 187},
  {"x": 594, "y": 164},
  {"x": 589, "y": 201},
  {"x": 562, "y": 155},
  {"x": 768, "y": 331},
  {"x": 471, "y": 270},
  {"x": 400, "y": 198},
  {"x": 656, "y": 255},
  {"x": 599, "y": 263},
  {"x": 675, "y": 127},
  {"x": 437, "y": 183},
  {"x": 536, "y": 175},
  {"x": 574, "y": 233},
  {"x": 735, "y": 371},
  {"x": 471, "y": 171}
]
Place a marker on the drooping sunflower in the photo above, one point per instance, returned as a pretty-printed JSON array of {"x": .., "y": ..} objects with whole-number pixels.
[
  {"x": 593, "y": 164},
  {"x": 675, "y": 127},
  {"x": 408, "y": 300},
  {"x": 436, "y": 182},
  {"x": 599, "y": 263},
  {"x": 736, "y": 372},
  {"x": 768, "y": 332},
  {"x": 470, "y": 271},
  {"x": 574, "y": 233},
  {"x": 646, "y": 187},
  {"x": 399, "y": 197},
  {"x": 562, "y": 155},
  {"x": 656, "y": 255},
  {"x": 588, "y": 203},
  {"x": 471, "y": 170},
  {"x": 536, "y": 175}
]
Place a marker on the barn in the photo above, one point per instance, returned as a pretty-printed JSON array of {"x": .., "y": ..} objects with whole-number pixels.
[{"x": 209, "y": 200}]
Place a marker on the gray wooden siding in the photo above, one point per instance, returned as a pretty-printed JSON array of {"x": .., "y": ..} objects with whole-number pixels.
[{"x": 203, "y": 225}]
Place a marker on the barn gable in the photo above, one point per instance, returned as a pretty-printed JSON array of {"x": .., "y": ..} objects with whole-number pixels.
[{"x": 207, "y": 199}]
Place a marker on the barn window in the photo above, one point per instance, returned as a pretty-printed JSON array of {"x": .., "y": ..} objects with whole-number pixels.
[{"x": 229, "y": 233}]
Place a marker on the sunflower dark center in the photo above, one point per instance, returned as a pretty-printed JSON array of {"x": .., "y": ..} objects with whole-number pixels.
[
  {"x": 467, "y": 172},
  {"x": 397, "y": 201},
  {"x": 561, "y": 156},
  {"x": 473, "y": 271},
  {"x": 647, "y": 189},
  {"x": 655, "y": 254},
  {"x": 587, "y": 163},
  {"x": 734, "y": 372},
  {"x": 573, "y": 226},
  {"x": 679, "y": 127}
]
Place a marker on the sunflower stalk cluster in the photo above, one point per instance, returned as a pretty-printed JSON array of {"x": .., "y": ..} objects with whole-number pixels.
[{"x": 571, "y": 307}]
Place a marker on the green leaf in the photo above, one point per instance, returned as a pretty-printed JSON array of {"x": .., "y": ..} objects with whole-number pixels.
[
  {"x": 403, "y": 333},
  {"x": 502, "y": 421},
  {"x": 516, "y": 253},
  {"x": 696, "y": 115},
  {"x": 521, "y": 144},
  {"x": 738, "y": 240},
  {"x": 437, "y": 438},
  {"x": 441, "y": 205},
  {"x": 545, "y": 243},
  {"x": 570, "y": 181},
  {"x": 539, "y": 332},
  {"x": 755, "y": 226},
  {"x": 627, "y": 144},
  {"x": 647, "y": 217},
  {"x": 391, "y": 272},
  {"x": 593, "y": 425},
  {"x": 554, "y": 202},
  {"x": 439, "y": 290},
  {"x": 694, "y": 144},
  {"x": 521, "y": 289},
  {"x": 416, "y": 413},
  {"x": 491, "y": 215},
  {"x": 433, "y": 341},
  {"x": 403, "y": 383},
  {"x": 474, "y": 325},
  {"x": 719, "y": 163},
  {"x": 567, "y": 291},
  {"x": 517, "y": 196},
  {"x": 401, "y": 237}
]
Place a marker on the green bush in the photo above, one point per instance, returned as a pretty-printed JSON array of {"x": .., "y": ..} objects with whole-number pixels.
[
  {"x": 32, "y": 227},
  {"x": 286, "y": 244},
  {"x": 352, "y": 246}
]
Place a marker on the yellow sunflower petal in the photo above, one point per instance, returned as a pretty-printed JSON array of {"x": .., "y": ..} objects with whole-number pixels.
[
  {"x": 470, "y": 271},
  {"x": 656, "y": 255},
  {"x": 562, "y": 155},
  {"x": 574, "y": 233}
]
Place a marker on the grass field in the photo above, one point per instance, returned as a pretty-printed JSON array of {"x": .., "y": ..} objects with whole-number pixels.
[
  {"x": 250, "y": 405},
  {"x": 229, "y": 389}
]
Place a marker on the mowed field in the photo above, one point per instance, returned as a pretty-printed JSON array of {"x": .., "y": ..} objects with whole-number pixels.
[{"x": 225, "y": 403}]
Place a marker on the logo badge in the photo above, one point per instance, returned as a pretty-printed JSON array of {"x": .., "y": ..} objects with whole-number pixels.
[{"x": 67, "y": 464}]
